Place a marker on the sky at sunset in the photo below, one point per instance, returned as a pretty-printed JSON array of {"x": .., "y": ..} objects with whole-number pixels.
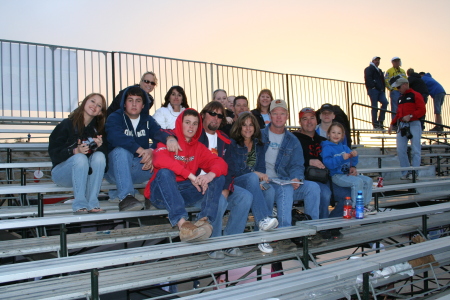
[{"x": 332, "y": 39}]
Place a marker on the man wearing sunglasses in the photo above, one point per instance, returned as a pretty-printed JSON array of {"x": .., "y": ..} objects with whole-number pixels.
[
  {"x": 238, "y": 200},
  {"x": 147, "y": 84}
]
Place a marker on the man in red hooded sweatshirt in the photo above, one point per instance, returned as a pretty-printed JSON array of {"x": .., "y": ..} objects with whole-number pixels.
[
  {"x": 174, "y": 185},
  {"x": 411, "y": 107}
]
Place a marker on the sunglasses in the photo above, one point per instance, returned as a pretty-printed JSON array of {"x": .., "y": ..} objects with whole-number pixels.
[
  {"x": 148, "y": 81},
  {"x": 213, "y": 114}
]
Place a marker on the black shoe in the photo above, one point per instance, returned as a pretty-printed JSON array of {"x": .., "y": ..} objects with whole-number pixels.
[
  {"x": 437, "y": 128},
  {"x": 326, "y": 234},
  {"x": 130, "y": 204},
  {"x": 336, "y": 234}
]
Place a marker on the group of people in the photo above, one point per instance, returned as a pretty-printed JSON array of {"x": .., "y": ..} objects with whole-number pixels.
[
  {"x": 409, "y": 93},
  {"x": 224, "y": 157},
  {"x": 377, "y": 82}
]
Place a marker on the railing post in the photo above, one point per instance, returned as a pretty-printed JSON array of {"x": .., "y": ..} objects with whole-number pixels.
[
  {"x": 63, "y": 240},
  {"x": 94, "y": 284},
  {"x": 365, "y": 295},
  {"x": 287, "y": 95},
  {"x": 305, "y": 258},
  {"x": 40, "y": 213},
  {"x": 113, "y": 74}
]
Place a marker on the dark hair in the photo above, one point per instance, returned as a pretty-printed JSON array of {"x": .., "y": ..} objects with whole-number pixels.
[
  {"x": 422, "y": 73},
  {"x": 136, "y": 91},
  {"x": 263, "y": 91},
  {"x": 212, "y": 106},
  {"x": 236, "y": 130},
  {"x": 180, "y": 90},
  {"x": 410, "y": 71},
  {"x": 238, "y": 98},
  {"x": 77, "y": 116},
  {"x": 337, "y": 124},
  {"x": 191, "y": 112}
]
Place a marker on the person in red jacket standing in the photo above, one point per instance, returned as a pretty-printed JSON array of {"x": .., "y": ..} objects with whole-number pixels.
[
  {"x": 411, "y": 107},
  {"x": 174, "y": 185}
]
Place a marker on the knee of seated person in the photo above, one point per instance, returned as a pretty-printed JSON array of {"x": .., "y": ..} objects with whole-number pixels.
[
  {"x": 98, "y": 158},
  {"x": 219, "y": 180},
  {"x": 120, "y": 151},
  {"x": 166, "y": 173},
  {"x": 79, "y": 159}
]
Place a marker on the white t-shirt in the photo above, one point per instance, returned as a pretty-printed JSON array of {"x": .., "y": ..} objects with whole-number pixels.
[
  {"x": 272, "y": 153},
  {"x": 135, "y": 122},
  {"x": 212, "y": 146}
]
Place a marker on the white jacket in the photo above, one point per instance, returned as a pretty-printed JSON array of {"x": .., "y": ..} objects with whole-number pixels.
[{"x": 166, "y": 117}]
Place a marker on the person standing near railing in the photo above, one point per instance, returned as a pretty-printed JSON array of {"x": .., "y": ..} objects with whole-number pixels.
[
  {"x": 437, "y": 92},
  {"x": 374, "y": 81},
  {"x": 410, "y": 109},
  {"x": 147, "y": 84},
  {"x": 390, "y": 73}
]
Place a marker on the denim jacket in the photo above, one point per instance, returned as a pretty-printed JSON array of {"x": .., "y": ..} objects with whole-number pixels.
[
  {"x": 239, "y": 153},
  {"x": 290, "y": 161}
]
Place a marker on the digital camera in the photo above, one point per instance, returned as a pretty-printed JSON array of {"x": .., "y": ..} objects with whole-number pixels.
[{"x": 405, "y": 131}]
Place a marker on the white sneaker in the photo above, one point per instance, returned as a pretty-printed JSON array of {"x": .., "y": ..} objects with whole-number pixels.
[
  {"x": 139, "y": 196},
  {"x": 265, "y": 247},
  {"x": 267, "y": 223},
  {"x": 407, "y": 176},
  {"x": 115, "y": 200},
  {"x": 369, "y": 210}
]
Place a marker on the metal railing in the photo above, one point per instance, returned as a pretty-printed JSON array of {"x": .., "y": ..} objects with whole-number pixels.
[{"x": 48, "y": 81}]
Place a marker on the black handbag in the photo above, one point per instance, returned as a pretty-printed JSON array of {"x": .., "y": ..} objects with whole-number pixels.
[{"x": 315, "y": 174}]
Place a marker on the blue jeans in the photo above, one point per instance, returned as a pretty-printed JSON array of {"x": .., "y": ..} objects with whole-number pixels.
[
  {"x": 260, "y": 209},
  {"x": 339, "y": 194},
  {"x": 356, "y": 183},
  {"x": 375, "y": 97},
  {"x": 309, "y": 192},
  {"x": 438, "y": 100},
  {"x": 125, "y": 170},
  {"x": 164, "y": 195},
  {"x": 394, "y": 95},
  {"x": 238, "y": 203},
  {"x": 402, "y": 146},
  {"x": 74, "y": 173},
  {"x": 325, "y": 196}
]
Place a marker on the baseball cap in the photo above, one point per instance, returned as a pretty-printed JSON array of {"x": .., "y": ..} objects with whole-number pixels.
[
  {"x": 326, "y": 106},
  {"x": 306, "y": 110},
  {"x": 395, "y": 58},
  {"x": 375, "y": 57},
  {"x": 278, "y": 103},
  {"x": 399, "y": 81}
]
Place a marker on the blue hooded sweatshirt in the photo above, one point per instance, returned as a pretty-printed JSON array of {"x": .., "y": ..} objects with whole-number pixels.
[
  {"x": 333, "y": 160},
  {"x": 433, "y": 86},
  {"x": 120, "y": 131}
]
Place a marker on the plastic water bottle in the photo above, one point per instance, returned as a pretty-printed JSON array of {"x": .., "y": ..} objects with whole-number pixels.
[
  {"x": 348, "y": 208},
  {"x": 359, "y": 207}
]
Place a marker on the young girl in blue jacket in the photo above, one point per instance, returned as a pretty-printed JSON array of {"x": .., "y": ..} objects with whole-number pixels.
[{"x": 342, "y": 161}]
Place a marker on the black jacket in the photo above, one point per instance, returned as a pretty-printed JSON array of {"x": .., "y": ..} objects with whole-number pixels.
[
  {"x": 259, "y": 117},
  {"x": 64, "y": 139},
  {"x": 374, "y": 78},
  {"x": 311, "y": 146},
  {"x": 417, "y": 84},
  {"x": 115, "y": 105}
]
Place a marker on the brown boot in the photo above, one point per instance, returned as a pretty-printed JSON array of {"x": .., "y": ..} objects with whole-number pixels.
[
  {"x": 189, "y": 232},
  {"x": 203, "y": 223}
]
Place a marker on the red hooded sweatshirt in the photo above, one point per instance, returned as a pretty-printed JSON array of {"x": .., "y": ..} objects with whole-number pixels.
[{"x": 195, "y": 155}]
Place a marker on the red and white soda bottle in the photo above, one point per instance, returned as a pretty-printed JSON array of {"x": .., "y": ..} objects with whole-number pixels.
[
  {"x": 380, "y": 182},
  {"x": 348, "y": 208}
]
